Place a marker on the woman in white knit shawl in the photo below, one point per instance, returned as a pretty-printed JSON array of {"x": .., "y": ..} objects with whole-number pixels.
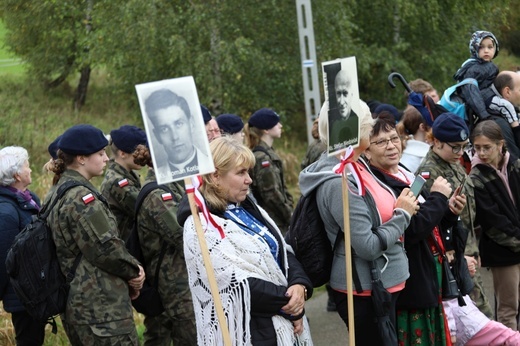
[{"x": 261, "y": 284}]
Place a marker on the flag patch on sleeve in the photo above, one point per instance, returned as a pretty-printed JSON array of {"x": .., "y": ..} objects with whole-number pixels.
[
  {"x": 266, "y": 164},
  {"x": 88, "y": 198},
  {"x": 425, "y": 175},
  {"x": 166, "y": 196},
  {"x": 123, "y": 182}
]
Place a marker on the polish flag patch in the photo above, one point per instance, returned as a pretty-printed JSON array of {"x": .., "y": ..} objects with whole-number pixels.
[
  {"x": 88, "y": 198},
  {"x": 122, "y": 183},
  {"x": 425, "y": 175},
  {"x": 167, "y": 196},
  {"x": 266, "y": 164}
]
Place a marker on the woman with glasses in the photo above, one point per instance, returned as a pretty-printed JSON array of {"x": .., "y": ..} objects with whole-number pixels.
[
  {"x": 451, "y": 139},
  {"x": 496, "y": 176},
  {"x": 377, "y": 223},
  {"x": 420, "y": 316}
]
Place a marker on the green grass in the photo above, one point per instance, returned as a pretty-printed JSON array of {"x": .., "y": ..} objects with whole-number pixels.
[{"x": 9, "y": 64}]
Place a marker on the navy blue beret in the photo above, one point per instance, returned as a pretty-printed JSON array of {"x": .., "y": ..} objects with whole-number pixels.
[
  {"x": 449, "y": 127},
  {"x": 206, "y": 115},
  {"x": 264, "y": 119},
  {"x": 128, "y": 137},
  {"x": 390, "y": 109},
  {"x": 230, "y": 123},
  {"x": 82, "y": 140},
  {"x": 53, "y": 148}
]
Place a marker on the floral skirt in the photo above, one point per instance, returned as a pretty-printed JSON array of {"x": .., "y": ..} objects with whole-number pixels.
[{"x": 423, "y": 326}]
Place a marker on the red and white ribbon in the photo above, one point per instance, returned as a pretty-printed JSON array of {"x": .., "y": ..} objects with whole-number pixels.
[
  {"x": 348, "y": 163},
  {"x": 211, "y": 224}
]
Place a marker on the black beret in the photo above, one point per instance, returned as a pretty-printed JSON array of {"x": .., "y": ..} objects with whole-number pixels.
[
  {"x": 390, "y": 109},
  {"x": 128, "y": 137},
  {"x": 206, "y": 115},
  {"x": 230, "y": 123},
  {"x": 82, "y": 140},
  {"x": 264, "y": 119},
  {"x": 449, "y": 127},
  {"x": 53, "y": 148}
]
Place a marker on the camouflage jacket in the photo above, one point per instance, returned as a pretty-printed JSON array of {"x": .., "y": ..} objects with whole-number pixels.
[
  {"x": 157, "y": 225},
  {"x": 498, "y": 214},
  {"x": 434, "y": 166},
  {"x": 121, "y": 187},
  {"x": 269, "y": 187},
  {"x": 314, "y": 151},
  {"x": 82, "y": 224}
]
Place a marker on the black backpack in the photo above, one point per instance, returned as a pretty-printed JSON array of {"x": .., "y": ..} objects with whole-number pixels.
[
  {"x": 149, "y": 302},
  {"x": 308, "y": 238},
  {"x": 33, "y": 267}
]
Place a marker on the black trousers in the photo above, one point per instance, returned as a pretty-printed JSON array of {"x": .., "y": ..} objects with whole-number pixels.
[
  {"x": 28, "y": 331},
  {"x": 365, "y": 323}
]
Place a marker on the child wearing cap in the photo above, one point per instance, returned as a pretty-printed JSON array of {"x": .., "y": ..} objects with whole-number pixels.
[
  {"x": 268, "y": 185},
  {"x": 121, "y": 184},
  {"x": 85, "y": 233},
  {"x": 483, "y": 47}
]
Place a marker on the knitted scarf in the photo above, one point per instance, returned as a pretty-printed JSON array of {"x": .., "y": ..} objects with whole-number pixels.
[{"x": 236, "y": 257}]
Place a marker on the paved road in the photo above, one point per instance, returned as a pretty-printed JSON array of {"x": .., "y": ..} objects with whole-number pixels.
[{"x": 328, "y": 329}]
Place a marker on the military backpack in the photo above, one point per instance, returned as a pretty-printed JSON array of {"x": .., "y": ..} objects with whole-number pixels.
[{"x": 149, "y": 302}]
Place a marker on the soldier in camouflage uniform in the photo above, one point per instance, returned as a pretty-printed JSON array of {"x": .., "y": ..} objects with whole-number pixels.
[
  {"x": 451, "y": 136},
  {"x": 121, "y": 184},
  {"x": 268, "y": 185},
  {"x": 157, "y": 225},
  {"x": 98, "y": 310}
]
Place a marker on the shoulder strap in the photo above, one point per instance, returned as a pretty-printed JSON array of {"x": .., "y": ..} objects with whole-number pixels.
[
  {"x": 59, "y": 194},
  {"x": 145, "y": 191},
  {"x": 262, "y": 149},
  {"x": 467, "y": 81}
]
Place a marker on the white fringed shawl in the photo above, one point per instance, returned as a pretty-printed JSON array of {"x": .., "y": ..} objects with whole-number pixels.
[{"x": 235, "y": 258}]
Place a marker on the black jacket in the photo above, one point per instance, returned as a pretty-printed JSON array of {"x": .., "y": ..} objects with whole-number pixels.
[
  {"x": 266, "y": 298},
  {"x": 497, "y": 215},
  {"x": 422, "y": 287},
  {"x": 15, "y": 213}
]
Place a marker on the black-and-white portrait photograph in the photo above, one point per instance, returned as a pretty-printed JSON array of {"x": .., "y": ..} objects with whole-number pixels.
[
  {"x": 175, "y": 129},
  {"x": 341, "y": 90}
]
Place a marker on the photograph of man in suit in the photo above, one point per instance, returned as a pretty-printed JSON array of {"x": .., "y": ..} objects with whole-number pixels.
[{"x": 173, "y": 128}]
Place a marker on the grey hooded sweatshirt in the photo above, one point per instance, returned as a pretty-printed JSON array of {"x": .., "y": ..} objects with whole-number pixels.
[{"x": 366, "y": 245}]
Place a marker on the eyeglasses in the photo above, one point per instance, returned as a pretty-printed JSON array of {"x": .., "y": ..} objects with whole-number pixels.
[
  {"x": 382, "y": 143},
  {"x": 484, "y": 149},
  {"x": 457, "y": 148}
]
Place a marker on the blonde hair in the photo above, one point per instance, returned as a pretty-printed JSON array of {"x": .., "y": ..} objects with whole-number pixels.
[
  {"x": 365, "y": 118},
  {"x": 253, "y": 136},
  {"x": 227, "y": 154}
]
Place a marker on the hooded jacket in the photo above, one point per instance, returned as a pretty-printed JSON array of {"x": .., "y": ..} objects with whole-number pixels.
[{"x": 366, "y": 245}]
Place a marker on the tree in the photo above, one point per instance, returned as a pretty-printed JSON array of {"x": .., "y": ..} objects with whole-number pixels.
[{"x": 52, "y": 37}]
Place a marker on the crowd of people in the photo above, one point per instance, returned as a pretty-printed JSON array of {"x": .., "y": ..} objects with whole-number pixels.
[{"x": 466, "y": 216}]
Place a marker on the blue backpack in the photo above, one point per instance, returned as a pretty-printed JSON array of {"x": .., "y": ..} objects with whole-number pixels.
[{"x": 453, "y": 102}]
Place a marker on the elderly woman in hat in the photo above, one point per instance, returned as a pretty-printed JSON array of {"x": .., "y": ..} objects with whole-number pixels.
[
  {"x": 268, "y": 185},
  {"x": 85, "y": 232},
  {"x": 17, "y": 205},
  {"x": 121, "y": 184}
]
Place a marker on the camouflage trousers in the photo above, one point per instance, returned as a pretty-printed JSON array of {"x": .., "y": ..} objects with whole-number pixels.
[
  {"x": 163, "y": 330},
  {"x": 479, "y": 296},
  {"x": 119, "y": 333}
]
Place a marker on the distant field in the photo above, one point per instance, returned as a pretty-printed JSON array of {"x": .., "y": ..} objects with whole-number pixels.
[{"x": 8, "y": 63}]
